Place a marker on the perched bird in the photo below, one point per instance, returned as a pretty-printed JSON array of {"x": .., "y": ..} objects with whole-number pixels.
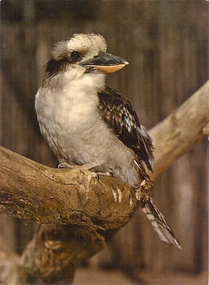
[{"x": 88, "y": 124}]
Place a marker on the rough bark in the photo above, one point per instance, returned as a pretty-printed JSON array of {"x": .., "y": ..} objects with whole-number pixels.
[
  {"x": 83, "y": 213},
  {"x": 33, "y": 192},
  {"x": 81, "y": 210}
]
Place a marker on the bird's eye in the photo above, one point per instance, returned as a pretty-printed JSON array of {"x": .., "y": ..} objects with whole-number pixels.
[{"x": 75, "y": 56}]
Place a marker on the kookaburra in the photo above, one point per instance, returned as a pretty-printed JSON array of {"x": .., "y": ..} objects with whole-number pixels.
[{"x": 90, "y": 125}]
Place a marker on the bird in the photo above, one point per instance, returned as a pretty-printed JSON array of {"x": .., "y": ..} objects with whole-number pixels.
[{"x": 88, "y": 124}]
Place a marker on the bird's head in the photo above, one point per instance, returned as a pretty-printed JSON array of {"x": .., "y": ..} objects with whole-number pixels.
[{"x": 83, "y": 52}]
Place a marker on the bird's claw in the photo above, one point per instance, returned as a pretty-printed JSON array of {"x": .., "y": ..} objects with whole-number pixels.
[
  {"x": 95, "y": 175},
  {"x": 65, "y": 165}
]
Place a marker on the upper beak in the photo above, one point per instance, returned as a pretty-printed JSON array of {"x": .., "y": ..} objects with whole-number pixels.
[{"x": 106, "y": 62}]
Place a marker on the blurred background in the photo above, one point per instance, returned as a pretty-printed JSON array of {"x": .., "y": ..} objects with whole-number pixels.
[{"x": 166, "y": 45}]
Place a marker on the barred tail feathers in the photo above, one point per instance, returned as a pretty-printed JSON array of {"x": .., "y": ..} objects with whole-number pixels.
[{"x": 159, "y": 223}]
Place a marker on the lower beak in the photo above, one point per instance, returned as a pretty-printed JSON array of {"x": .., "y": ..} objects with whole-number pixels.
[{"x": 106, "y": 62}]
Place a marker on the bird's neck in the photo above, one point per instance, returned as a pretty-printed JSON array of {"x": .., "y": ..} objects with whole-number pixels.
[
  {"x": 93, "y": 82},
  {"x": 90, "y": 82}
]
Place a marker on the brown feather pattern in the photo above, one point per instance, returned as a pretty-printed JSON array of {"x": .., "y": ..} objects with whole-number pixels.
[{"x": 120, "y": 116}]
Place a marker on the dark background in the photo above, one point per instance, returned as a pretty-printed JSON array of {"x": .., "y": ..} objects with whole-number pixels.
[{"x": 165, "y": 43}]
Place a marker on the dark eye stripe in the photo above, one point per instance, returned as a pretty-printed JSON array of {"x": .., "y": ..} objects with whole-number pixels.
[{"x": 53, "y": 67}]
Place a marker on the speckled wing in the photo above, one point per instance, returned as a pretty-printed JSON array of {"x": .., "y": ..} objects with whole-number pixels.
[{"x": 120, "y": 116}]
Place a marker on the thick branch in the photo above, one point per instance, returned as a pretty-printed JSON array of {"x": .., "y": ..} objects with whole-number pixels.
[{"x": 33, "y": 192}]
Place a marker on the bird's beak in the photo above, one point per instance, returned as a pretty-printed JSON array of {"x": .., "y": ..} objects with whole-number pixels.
[{"x": 106, "y": 62}]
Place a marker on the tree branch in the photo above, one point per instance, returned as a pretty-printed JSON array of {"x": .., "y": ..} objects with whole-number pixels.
[{"x": 35, "y": 193}]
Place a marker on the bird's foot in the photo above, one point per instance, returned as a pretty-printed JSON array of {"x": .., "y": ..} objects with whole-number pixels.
[
  {"x": 95, "y": 175},
  {"x": 70, "y": 165},
  {"x": 109, "y": 174},
  {"x": 91, "y": 166},
  {"x": 66, "y": 165}
]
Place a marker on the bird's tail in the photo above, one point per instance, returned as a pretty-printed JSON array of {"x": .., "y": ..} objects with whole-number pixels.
[{"x": 158, "y": 221}]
